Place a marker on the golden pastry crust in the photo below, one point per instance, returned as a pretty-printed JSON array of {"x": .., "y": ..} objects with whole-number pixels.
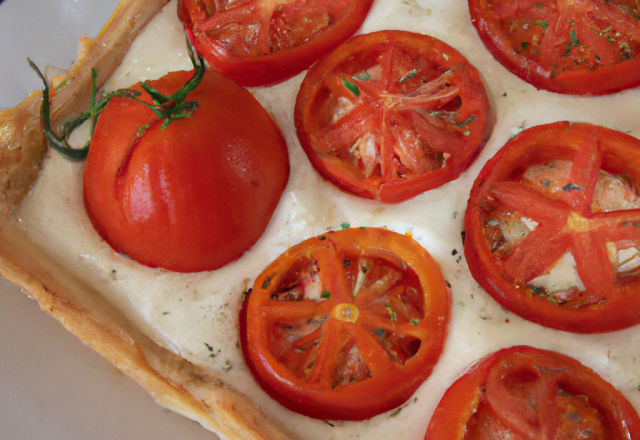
[{"x": 172, "y": 381}]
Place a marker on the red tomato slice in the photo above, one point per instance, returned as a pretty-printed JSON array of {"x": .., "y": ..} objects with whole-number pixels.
[
  {"x": 552, "y": 190},
  {"x": 392, "y": 114},
  {"x": 574, "y": 47},
  {"x": 346, "y": 325},
  {"x": 196, "y": 195},
  {"x": 525, "y": 393},
  {"x": 263, "y": 42}
]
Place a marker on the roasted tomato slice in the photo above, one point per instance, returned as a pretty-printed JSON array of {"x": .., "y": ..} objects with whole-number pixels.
[
  {"x": 391, "y": 114},
  {"x": 346, "y": 325},
  {"x": 565, "y": 46},
  {"x": 553, "y": 227},
  {"x": 196, "y": 195},
  {"x": 524, "y": 393},
  {"x": 262, "y": 42}
]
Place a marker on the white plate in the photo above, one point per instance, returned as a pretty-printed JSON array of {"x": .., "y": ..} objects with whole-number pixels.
[{"x": 52, "y": 386}]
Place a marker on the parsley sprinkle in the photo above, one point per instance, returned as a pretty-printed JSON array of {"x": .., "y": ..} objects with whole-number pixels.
[
  {"x": 298, "y": 350},
  {"x": 345, "y": 225},
  {"x": 392, "y": 313},
  {"x": 326, "y": 294},
  {"x": 346, "y": 263},
  {"x": 414, "y": 322},
  {"x": 545, "y": 183},
  {"x": 351, "y": 86},
  {"x": 572, "y": 187},
  {"x": 364, "y": 77},
  {"x": 543, "y": 24},
  {"x": 539, "y": 6},
  {"x": 412, "y": 73},
  {"x": 463, "y": 123},
  {"x": 322, "y": 238},
  {"x": 524, "y": 45}
]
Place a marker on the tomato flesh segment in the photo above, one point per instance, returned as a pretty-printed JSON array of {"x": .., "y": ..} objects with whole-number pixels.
[
  {"x": 367, "y": 335},
  {"x": 391, "y": 109},
  {"x": 560, "y": 229}
]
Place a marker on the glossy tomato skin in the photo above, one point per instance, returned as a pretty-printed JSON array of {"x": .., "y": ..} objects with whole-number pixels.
[
  {"x": 263, "y": 69},
  {"x": 427, "y": 89},
  {"x": 194, "y": 196},
  {"x": 564, "y": 226},
  {"x": 512, "y": 368},
  {"x": 543, "y": 35},
  {"x": 301, "y": 350}
]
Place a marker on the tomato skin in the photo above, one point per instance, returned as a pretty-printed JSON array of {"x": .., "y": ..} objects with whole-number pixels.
[
  {"x": 389, "y": 383},
  {"x": 461, "y": 401},
  {"x": 463, "y": 141},
  {"x": 620, "y": 155},
  {"x": 275, "y": 67},
  {"x": 194, "y": 196},
  {"x": 597, "y": 79}
]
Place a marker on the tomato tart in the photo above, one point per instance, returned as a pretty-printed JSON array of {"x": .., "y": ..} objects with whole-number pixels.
[{"x": 179, "y": 334}]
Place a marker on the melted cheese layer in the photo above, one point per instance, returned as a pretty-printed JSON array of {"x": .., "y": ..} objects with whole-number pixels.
[{"x": 196, "y": 315}]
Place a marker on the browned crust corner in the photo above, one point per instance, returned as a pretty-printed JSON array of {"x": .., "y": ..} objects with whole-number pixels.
[{"x": 172, "y": 381}]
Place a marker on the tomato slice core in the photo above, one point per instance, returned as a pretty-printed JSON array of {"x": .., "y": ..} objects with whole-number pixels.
[
  {"x": 346, "y": 325},
  {"x": 554, "y": 193},
  {"x": 391, "y": 114},
  {"x": 526, "y": 393}
]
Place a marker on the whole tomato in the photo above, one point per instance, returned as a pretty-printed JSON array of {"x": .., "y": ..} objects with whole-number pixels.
[{"x": 195, "y": 195}]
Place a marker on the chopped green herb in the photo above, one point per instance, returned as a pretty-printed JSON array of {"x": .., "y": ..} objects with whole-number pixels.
[
  {"x": 351, "y": 86},
  {"x": 227, "y": 366},
  {"x": 326, "y": 294},
  {"x": 364, "y": 77},
  {"x": 545, "y": 183},
  {"x": 411, "y": 74},
  {"x": 544, "y": 24},
  {"x": 574, "y": 416},
  {"x": 267, "y": 283},
  {"x": 363, "y": 227},
  {"x": 572, "y": 187},
  {"x": 524, "y": 45},
  {"x": 345, "y": 225},
  {"x": 392, "y": 313},
  {"x": 469, "y": 120},
  {"x": 346, "y": 263},
  {"x": 447, "y": 283},
  {"x": 322, "y": 238},
  {"x": 445, "y": 56},
  {"x": 539, "y": 6},
  {"x": 298, "y": 350},
  {"x": 573, "y": 43},
  {"x": 414, "y": 322},
  {"x": 396, "y": 412},
  {"x": 380, "y": 332}
]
